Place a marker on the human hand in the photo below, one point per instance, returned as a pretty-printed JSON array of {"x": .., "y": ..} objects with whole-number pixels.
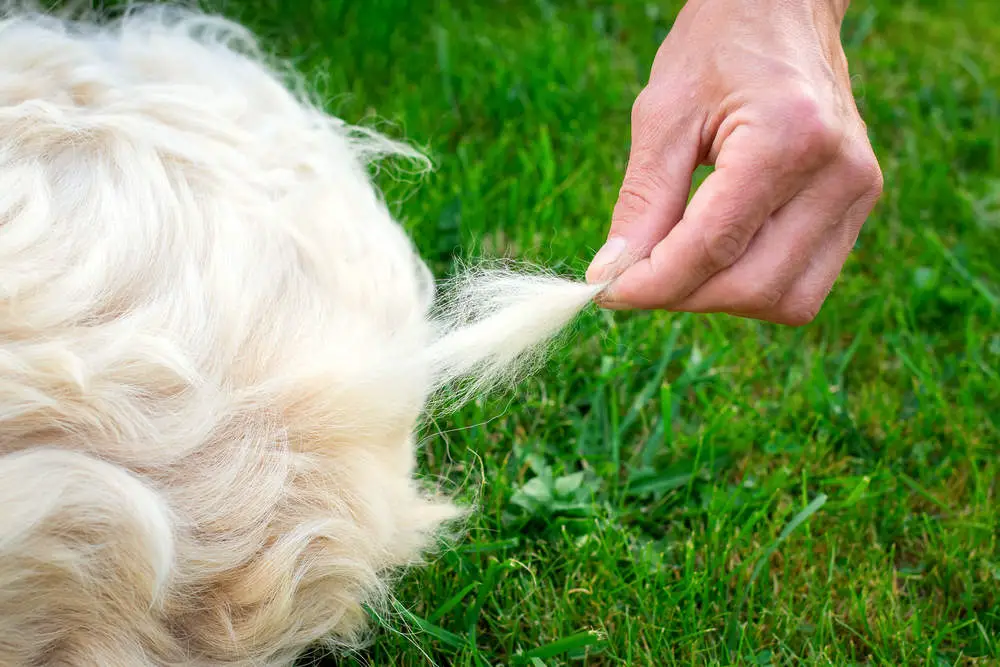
[{"x": 759, "y": 89}]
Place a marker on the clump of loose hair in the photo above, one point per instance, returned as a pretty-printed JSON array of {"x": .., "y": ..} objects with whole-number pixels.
[{"x": 215, "y": 347}]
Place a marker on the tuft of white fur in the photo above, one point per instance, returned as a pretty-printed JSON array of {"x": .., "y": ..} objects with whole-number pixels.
[
  {"x": 215, "y": 347},
  {"x": 493, "y": 326}
]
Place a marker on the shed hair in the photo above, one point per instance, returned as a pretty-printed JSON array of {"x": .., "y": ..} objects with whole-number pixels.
[{"x": 216, "y": 345}]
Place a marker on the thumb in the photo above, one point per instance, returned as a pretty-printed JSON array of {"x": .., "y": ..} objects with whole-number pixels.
[{"x": 653, "y": 194}]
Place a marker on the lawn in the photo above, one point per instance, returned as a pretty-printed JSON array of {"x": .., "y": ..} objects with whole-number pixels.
[{"x": 678, "y": 489}]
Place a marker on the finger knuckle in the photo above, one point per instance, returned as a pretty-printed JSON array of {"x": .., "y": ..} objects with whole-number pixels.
[
  {"x": 643, "y": 177},
  {"x": 871, "y": 174},
  {"x": 801, "y": 312},
  {"x": 631, "y": 203},
  {"x": 862, "y": 171},
  {"x": 878, "y": 183},
  {"x": 638, "y": 190},
  {"x": 760, "y": 298},
  {"x": 813, "y": 130},
  {"x": 724, "y": 244},
  {"x": 644, "y": 108}
]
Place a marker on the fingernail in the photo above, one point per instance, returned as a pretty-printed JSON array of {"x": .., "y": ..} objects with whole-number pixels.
[{"x": 603, "y": 266}]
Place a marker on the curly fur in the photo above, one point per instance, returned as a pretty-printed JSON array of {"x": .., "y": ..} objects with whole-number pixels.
[{"x": 215, "y": 346}]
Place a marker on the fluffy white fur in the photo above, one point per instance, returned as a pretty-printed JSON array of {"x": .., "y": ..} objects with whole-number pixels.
[{"x": 215, "y": 346}]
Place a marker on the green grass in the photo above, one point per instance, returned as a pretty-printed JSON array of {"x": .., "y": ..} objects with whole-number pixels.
[{"x": 677, "y": 489}]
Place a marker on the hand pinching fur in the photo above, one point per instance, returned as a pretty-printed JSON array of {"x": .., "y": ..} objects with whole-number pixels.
[{"x": 215, "y": 345}]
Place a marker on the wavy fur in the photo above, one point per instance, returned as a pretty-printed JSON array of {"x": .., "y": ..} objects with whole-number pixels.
[{"x": 215, "y": 346}]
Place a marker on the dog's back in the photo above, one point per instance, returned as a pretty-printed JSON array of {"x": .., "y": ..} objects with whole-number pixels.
[
  {"x": 215, "y": 345},
  {"x": 205, "y": 442}
]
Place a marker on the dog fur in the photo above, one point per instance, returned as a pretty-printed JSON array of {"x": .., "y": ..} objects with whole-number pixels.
[{"x": 215, "y": 347}]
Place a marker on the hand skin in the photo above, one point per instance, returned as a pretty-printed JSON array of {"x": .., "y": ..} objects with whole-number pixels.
[{"x": 759, "y": 89}]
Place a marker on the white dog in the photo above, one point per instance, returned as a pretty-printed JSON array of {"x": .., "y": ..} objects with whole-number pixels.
[{"x": 215, "y": 346}]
